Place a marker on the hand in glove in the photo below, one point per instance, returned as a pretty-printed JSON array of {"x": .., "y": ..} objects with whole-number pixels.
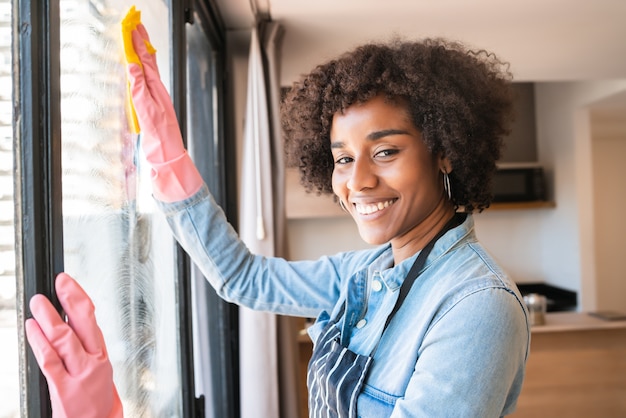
[
  {"x": 174, "y": 176},
  {"x": 72, "y": 355}
]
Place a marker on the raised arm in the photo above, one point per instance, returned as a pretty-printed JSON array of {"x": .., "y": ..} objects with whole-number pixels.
[{"x": 174, "y": 176}]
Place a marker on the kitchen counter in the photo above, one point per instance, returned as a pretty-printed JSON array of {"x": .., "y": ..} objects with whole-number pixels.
[
  {"x": 575, "y": 321},
  {"x": 576, "y": 368}
]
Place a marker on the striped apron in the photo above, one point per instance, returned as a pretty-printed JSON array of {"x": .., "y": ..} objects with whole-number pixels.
[{"x": 335, "y": 374}]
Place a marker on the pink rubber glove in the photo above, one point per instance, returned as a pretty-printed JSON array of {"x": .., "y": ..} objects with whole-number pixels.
[
  {"x": 72, "y": 356},
  {"x": 174, "y": 176}
]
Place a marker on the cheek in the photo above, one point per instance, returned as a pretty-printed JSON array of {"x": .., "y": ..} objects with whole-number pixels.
[
  {"x": 340, "y": 180},
  {"x": 336, "y": 182}
]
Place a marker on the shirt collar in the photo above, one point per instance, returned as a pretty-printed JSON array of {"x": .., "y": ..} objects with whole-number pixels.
[{"x": 393, "y": 276}]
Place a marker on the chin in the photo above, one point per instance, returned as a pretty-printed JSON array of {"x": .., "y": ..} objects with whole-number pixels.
[{"x": 373, "y": 239}]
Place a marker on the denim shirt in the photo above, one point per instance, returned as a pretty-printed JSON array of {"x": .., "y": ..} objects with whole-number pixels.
[{"x": 456, "y": 348}]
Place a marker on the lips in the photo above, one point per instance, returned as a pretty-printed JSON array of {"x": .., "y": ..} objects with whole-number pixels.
[{"x": 373, "y": 207}]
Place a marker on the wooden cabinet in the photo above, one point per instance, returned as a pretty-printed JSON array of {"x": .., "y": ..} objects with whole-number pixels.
[
  {"x": 576, "y": 368},
  {"x": 305, "y": 350}
]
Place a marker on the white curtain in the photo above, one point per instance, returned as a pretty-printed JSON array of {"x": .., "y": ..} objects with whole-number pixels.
[{"x": 267, "y": 356}]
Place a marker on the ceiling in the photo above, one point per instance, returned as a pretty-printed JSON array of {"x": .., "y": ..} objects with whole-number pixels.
[{"x": 544, "y": 40}]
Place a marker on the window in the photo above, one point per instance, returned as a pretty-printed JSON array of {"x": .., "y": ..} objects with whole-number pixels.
[{"x": 84, "y": 204}]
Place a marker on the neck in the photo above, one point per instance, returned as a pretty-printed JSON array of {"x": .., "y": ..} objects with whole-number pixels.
[{"x": 417, "y": 238}]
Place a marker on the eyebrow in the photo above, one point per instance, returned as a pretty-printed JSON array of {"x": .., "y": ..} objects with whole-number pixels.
[{"x": 375, "y": 136}]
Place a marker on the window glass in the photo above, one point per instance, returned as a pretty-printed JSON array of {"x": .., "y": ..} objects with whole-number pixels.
[
  {"x": 115, "y": 243},
  {"x": 203, "y": 130},
  {"x": 214, "y": 320},
  {"x": 9, "y": 377},
  {"x": 202, "y": 139}
]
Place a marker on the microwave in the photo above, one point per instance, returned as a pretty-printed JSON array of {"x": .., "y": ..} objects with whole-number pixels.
[{"x": 519, "y": 182}]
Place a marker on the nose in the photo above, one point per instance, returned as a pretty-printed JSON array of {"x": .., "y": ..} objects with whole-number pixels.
[{"x": 362, "y": 175}]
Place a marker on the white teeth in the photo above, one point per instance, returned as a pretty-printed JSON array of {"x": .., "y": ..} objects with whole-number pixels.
[{"x": 369, "y": 209}]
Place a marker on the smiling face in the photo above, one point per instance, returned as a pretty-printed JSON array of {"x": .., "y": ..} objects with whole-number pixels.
[{"x": 386, "y": 177}]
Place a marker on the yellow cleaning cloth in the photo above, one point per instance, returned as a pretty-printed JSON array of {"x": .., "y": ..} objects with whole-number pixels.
[{"x": 129, "y": 23}]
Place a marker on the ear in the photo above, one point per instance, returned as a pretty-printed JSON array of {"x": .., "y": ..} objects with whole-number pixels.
[{"x": 445, "y": 166}]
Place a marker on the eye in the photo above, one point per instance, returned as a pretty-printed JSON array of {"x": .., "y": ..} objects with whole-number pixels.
[
  {"x": 343, "y": 160},
  {"x": 386, "y": 153}
]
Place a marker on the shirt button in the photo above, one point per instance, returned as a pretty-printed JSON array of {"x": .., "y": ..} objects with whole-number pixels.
[
  {"x": 361, "y": 323},
  {"x": 377, "y": 285}
]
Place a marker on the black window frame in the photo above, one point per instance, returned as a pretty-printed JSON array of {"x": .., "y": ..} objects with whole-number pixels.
[{"x": 37, "y": 162}]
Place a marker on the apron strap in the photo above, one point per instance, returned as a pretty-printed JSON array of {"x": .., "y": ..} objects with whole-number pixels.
[{"x": 417, "y": 266}]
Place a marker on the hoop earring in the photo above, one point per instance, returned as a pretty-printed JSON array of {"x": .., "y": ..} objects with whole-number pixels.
[
  {"x": 343, "y": 206},
  {"x": 446, "y": 184}
]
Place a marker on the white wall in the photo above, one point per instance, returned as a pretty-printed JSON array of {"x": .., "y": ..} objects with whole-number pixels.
[
  {"x": 609, "y": 153},
  {"x": 564, "y": 140},
  {"x": 511, "y": 237},
  {"x": 556, "y": 245},
  {"x": 313, "y": 238}
]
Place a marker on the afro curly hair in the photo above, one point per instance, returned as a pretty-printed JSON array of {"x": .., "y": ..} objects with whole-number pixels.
[{"x": 459, "y": 99}]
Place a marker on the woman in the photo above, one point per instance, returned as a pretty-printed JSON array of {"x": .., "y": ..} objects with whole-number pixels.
[{"x": 424, "y": 324}]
